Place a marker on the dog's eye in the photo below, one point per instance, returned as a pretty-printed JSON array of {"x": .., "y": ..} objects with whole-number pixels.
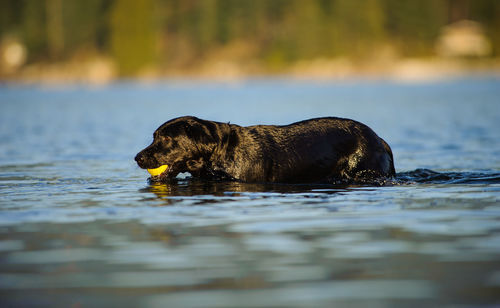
[{"x": 166, "y": 139}]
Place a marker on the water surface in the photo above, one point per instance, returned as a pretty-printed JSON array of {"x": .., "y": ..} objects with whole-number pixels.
[{"x": 81, "y": 226}]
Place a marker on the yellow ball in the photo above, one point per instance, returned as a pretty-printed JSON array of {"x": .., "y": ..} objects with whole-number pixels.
[{"x": 158, "y": 171}]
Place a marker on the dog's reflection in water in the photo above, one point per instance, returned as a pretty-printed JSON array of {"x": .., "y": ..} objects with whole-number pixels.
[{"x": 195, "y": 187}]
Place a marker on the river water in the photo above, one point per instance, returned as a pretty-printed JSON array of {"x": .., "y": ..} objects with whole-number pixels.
[{"x": 80, "y": 226}]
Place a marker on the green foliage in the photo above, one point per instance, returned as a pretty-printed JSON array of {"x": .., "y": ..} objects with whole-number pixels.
[
  {"x": 85, "y": 23},
  {"x": 414, "y": 25},
  {"x": 358, "y": 24},
  {"x": 488, "y": 12},
  {"x": 132, "y": 34},
  {"x": 10, "y": 16},
  {"x": 34, "y": 28},
  {"x": 137, "y": 34}
]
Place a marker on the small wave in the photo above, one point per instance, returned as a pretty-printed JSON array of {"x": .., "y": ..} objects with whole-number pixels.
[{"x": 433, "y": 177}]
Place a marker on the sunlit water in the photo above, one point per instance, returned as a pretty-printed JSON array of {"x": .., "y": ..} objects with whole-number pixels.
[{"x": 81, "y": 227}]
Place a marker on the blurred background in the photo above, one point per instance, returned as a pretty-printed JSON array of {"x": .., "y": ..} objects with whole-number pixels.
[
  {"x": 98, "y": 41},
  {"x": 80, "y": 226}
]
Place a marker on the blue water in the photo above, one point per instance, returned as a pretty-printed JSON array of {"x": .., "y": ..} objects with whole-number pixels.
[{"x": 81, "y": 226}]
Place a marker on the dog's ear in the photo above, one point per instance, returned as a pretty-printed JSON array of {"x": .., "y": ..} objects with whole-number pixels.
[
  {"x": 194, "y": 164},
  {"x": 199, "y": 132}
]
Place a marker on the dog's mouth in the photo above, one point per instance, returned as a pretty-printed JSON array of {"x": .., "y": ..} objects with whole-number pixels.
[{"x": 158, "y": 173}]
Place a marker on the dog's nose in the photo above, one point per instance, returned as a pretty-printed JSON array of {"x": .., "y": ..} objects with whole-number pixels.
[{"x": 139, "y": 159}]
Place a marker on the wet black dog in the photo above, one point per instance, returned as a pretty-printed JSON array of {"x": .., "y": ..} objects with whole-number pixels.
[{"x": 327, "y": 150}]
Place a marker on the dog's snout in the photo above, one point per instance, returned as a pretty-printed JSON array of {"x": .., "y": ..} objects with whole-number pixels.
[{"x": 139, "y": 158}]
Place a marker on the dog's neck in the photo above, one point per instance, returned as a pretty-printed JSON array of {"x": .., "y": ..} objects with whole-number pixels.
[
  {"x": 215, "y": 160},
  {"x": 235, "y": 153},
  {"x": 223, "y": 141}
]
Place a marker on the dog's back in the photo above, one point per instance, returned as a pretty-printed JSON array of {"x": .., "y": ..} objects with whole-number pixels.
[{"x": 315, "y": 150}]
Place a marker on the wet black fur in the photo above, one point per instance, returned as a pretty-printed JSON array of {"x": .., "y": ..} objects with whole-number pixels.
[{"x": 318, "y": 150}]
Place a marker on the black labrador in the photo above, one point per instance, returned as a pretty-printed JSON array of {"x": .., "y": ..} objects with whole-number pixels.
[{"x": 321, "y": 150}]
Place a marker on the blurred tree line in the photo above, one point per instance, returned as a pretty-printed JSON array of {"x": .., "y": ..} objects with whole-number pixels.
[{"x": 180, "y": 33}]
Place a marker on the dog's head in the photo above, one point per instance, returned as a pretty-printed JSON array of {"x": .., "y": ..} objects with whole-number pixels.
[{"x": 184, "y": 144}]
